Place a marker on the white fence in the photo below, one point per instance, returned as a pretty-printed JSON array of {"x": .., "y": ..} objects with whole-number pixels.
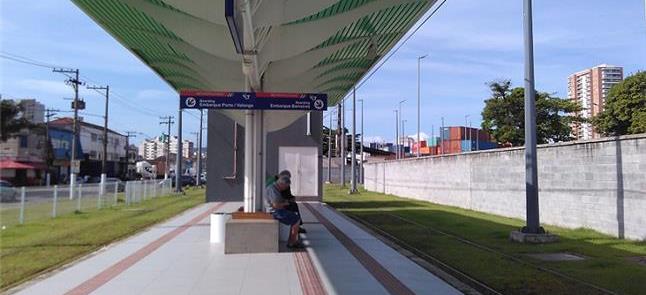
[{"x": 26, "y": 204}]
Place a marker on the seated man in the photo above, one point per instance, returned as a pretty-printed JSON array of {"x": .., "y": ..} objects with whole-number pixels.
[
  {"x": 275, "y": 204},
  {"x": 287, "y": 194}
]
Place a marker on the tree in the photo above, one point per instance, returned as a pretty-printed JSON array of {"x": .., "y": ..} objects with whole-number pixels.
[
  {"x": 504, "y": 115},
  {"x": 625, "y": 108},
  {"x": 11, "y": 120}
]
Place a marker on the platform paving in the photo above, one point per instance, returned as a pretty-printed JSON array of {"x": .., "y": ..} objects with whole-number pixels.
[{"x": 175, "y": 257}]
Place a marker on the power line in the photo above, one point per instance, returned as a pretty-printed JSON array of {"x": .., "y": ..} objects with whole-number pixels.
[{"x": 376, "y": 68}]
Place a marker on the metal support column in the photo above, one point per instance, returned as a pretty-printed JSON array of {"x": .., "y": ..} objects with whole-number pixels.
[
  {"x": 248, "y": 162},
  {"x": 329, "y": 150},
  {"x": 343, "y": 142},
  {"x": 531, "y": 167},
  {"x": 178, "y": 158},
  {"x": 353, "y": 165},
  {"x": 198, "y": 179}
]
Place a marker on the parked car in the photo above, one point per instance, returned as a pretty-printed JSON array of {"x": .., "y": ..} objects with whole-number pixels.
[
  {"x": 188, "y": 180},
  {"x": 7, "y": 192}
]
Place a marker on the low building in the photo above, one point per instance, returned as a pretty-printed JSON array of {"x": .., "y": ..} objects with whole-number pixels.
[
  {"x": 22, "y": 157},
  {"x": 91, "y": 141}
]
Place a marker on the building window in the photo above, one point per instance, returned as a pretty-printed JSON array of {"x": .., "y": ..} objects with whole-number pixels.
[
  {"x": 93, "y": 137},
  {"x": 23, "y": 141},
  {"x": 92, "y": 154}
]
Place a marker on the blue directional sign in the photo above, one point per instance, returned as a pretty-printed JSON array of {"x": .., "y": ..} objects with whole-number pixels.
[{"x": 198, "y": 99}]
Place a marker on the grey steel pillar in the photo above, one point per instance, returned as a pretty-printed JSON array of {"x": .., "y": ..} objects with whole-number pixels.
[
  {"x": 353, "y": 165},
  {"x": 198, "y": 179},
  {"x": 531, "y": 166},
  {"x": 419, "y": 61},
  {"x": 343, "y": 142},
  {"x": 329, "y": 150},
  {"x": 178, "y": 158}
]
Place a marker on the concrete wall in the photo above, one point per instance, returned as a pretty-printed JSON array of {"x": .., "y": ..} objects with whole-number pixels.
[
  {"x": 220, "y": 159},
  {"x": 598, "y": 184}
]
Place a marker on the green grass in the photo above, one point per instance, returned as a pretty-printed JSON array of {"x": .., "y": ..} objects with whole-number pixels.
[
  {"x": 30, "y": 249},
  {"x": 416, "y": 223}
]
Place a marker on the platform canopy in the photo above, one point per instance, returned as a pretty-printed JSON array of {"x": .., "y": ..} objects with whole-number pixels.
[{"x": 296, "y": 45}]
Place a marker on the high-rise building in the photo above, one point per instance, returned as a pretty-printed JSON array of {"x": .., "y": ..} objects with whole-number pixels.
[
  {"x": 154, "y": 148},
  {"x": 589, "y": 88},
  {"x": 33, "y": 110}
]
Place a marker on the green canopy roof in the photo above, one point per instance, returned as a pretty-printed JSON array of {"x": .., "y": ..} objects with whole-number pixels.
[{"x": 298, "y": 45}]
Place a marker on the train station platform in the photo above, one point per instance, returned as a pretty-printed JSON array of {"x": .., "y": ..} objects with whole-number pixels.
[{"x": 176, "y": 257}]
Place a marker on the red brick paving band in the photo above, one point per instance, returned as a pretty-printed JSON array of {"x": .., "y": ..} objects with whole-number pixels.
[
  {"x": 308, "y": 275},
  {"x": 381, "y": 274},
  {"x": 110, "y": 273}
]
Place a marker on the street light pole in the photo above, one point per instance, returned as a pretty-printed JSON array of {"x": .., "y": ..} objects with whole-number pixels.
[
  {"x": 419, "y": 61},
  {"x": 396, "y": 134},
  {"x": 404, "y": 138},
  {"x": 401, "y": 116},
  {"x": 353, "y": 165},
  {"x": 531, "y": 167}
]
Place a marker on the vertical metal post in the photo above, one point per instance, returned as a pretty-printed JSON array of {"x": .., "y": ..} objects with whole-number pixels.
[
  {"x": 21, "y": 218},
  {"x": 75, "y": 131},
  {"x": 116, "y": 190},
  {"x": 80, "y": 195},
  {"x": 442, "y": 137},
  {"x": 353, "y": 165},
  {"x": 329, "y": 150},
  {"x": 248, "y": 162},
  {"x": 143, "y": 184},
  {"x": 396, "y": 149},
  {"x": 178, "y": 158},
  {"x": 400, "y": 140},
  {"x": 55, "y": 203},
  {"x": 343, "y": 142},
  {"x": 531, "y": 166},
  {"x": 361, "y": 146},
  {"x": 419, "y": 70},
  {"x": 198, "y": 181}
]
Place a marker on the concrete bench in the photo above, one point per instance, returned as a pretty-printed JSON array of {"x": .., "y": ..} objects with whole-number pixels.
[{"x": 251, "y": 233}]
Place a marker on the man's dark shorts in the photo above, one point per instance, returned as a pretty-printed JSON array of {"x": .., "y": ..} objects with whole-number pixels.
[{"x": 285, "y": 216}]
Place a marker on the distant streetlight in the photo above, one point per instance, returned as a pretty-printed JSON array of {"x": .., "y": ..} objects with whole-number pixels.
[
  {"x": 419, "y": 60},
  {"x": 401, "y": 116}
]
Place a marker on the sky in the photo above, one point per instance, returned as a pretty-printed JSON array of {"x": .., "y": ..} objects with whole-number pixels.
[{"x": 468, "y": 43}]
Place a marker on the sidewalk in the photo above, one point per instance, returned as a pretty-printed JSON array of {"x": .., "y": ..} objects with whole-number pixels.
[{"x": 176, "y": 258}]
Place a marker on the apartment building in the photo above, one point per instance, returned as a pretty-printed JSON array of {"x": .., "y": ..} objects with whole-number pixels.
[{"x": 589, "y": 88}]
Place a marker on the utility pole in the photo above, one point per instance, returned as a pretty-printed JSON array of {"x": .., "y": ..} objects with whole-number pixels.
[
  {"x": 48, "y": 150},
  {"x": 168, "y": 121},
  {"x": 361, "y": 146},
  {"x": 353, "y": 165},
  {"x": 74, "y": 82},
  {"x": 105, "y": 127},
  {"x": 419, "y": 61},
  {"x": 128, "y": 135},
  {"x": 198, "y": 181}
]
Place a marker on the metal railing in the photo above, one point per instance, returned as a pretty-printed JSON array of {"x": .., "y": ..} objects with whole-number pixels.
[{"x": 26, "y": 204}]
